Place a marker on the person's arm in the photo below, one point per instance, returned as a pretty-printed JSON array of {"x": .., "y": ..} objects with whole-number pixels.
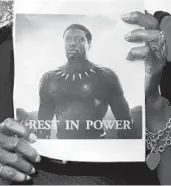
[
  {"x": 164, "y": 168},
  {"x": 116, "y": 98},
  {"x": 46, "y": 105},
  {"x": 119, "y": 106},
  {"x": 157, "y": 109}
]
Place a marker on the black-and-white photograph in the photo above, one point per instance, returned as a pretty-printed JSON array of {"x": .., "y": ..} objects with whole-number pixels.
[
  {"x": 29, "y": 156},
  {"x": 74, "y": 79},
  {"x": 71, "y": 70}
]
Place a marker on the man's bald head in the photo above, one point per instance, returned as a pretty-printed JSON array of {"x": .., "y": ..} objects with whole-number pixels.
[{"x": 80, "y": 27}]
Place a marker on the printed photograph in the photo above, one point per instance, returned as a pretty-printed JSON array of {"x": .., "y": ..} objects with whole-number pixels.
[
  {"x": 74, "y": 83},
  {"x": 75, "y": 86}
]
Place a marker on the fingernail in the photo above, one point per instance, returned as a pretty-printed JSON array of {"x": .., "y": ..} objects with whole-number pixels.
[
  {"x": 127, "y": 57},
  {"x": 33, "y": 137},
  {"x": 125, "y": 16},
  {"x": 28, "y": 177},
  {"x": 127, "y": 36},
  {"x": 130, "y": 57},
  {"x": 33, "y": 171},
  {"x": 38, "y": 158}
]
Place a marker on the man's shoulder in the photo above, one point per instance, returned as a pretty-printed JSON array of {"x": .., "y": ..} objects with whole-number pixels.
[
  {"x": 105, "y": 70},
  {"x": 46, "y": 78},
  {"x": 49, "y": 74},
  {"x": 108, "y": 73}
]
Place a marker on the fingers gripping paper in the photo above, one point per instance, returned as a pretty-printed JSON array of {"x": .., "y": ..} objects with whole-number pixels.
[{"x": 74, "y": 87}]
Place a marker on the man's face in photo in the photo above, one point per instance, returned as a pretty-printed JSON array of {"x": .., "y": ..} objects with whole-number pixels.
[{"x": 76, "y": 44}]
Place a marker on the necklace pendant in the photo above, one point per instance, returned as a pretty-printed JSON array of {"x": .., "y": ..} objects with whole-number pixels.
[
  {"x": 66, "y": 77},
  {"x": 62, "y": 75},
  {"x": 92, "y": 71},
  {"x": 86, "y": 74},
  {"x": 80, "y": 75},
  {"x": 73, "y": 77},
  {"x": 59, "y": 72},
  {"x": 153, "y": 160}
]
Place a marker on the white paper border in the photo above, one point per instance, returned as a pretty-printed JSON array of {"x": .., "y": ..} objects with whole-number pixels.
[{"x": 122, "y": 150}]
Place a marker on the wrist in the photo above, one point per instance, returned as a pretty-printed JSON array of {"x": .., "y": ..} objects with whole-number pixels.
[
  {"x": 157, "y": 104},
  {"x": 153, "y": 97},
  {"x": 152, "y": 82},
  {"x": 154, "y": 70},
  {"x": 152, "y": 100}
]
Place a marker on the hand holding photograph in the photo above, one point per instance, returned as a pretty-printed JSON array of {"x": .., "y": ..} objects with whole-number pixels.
[{"x": 74, "y": 83}]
